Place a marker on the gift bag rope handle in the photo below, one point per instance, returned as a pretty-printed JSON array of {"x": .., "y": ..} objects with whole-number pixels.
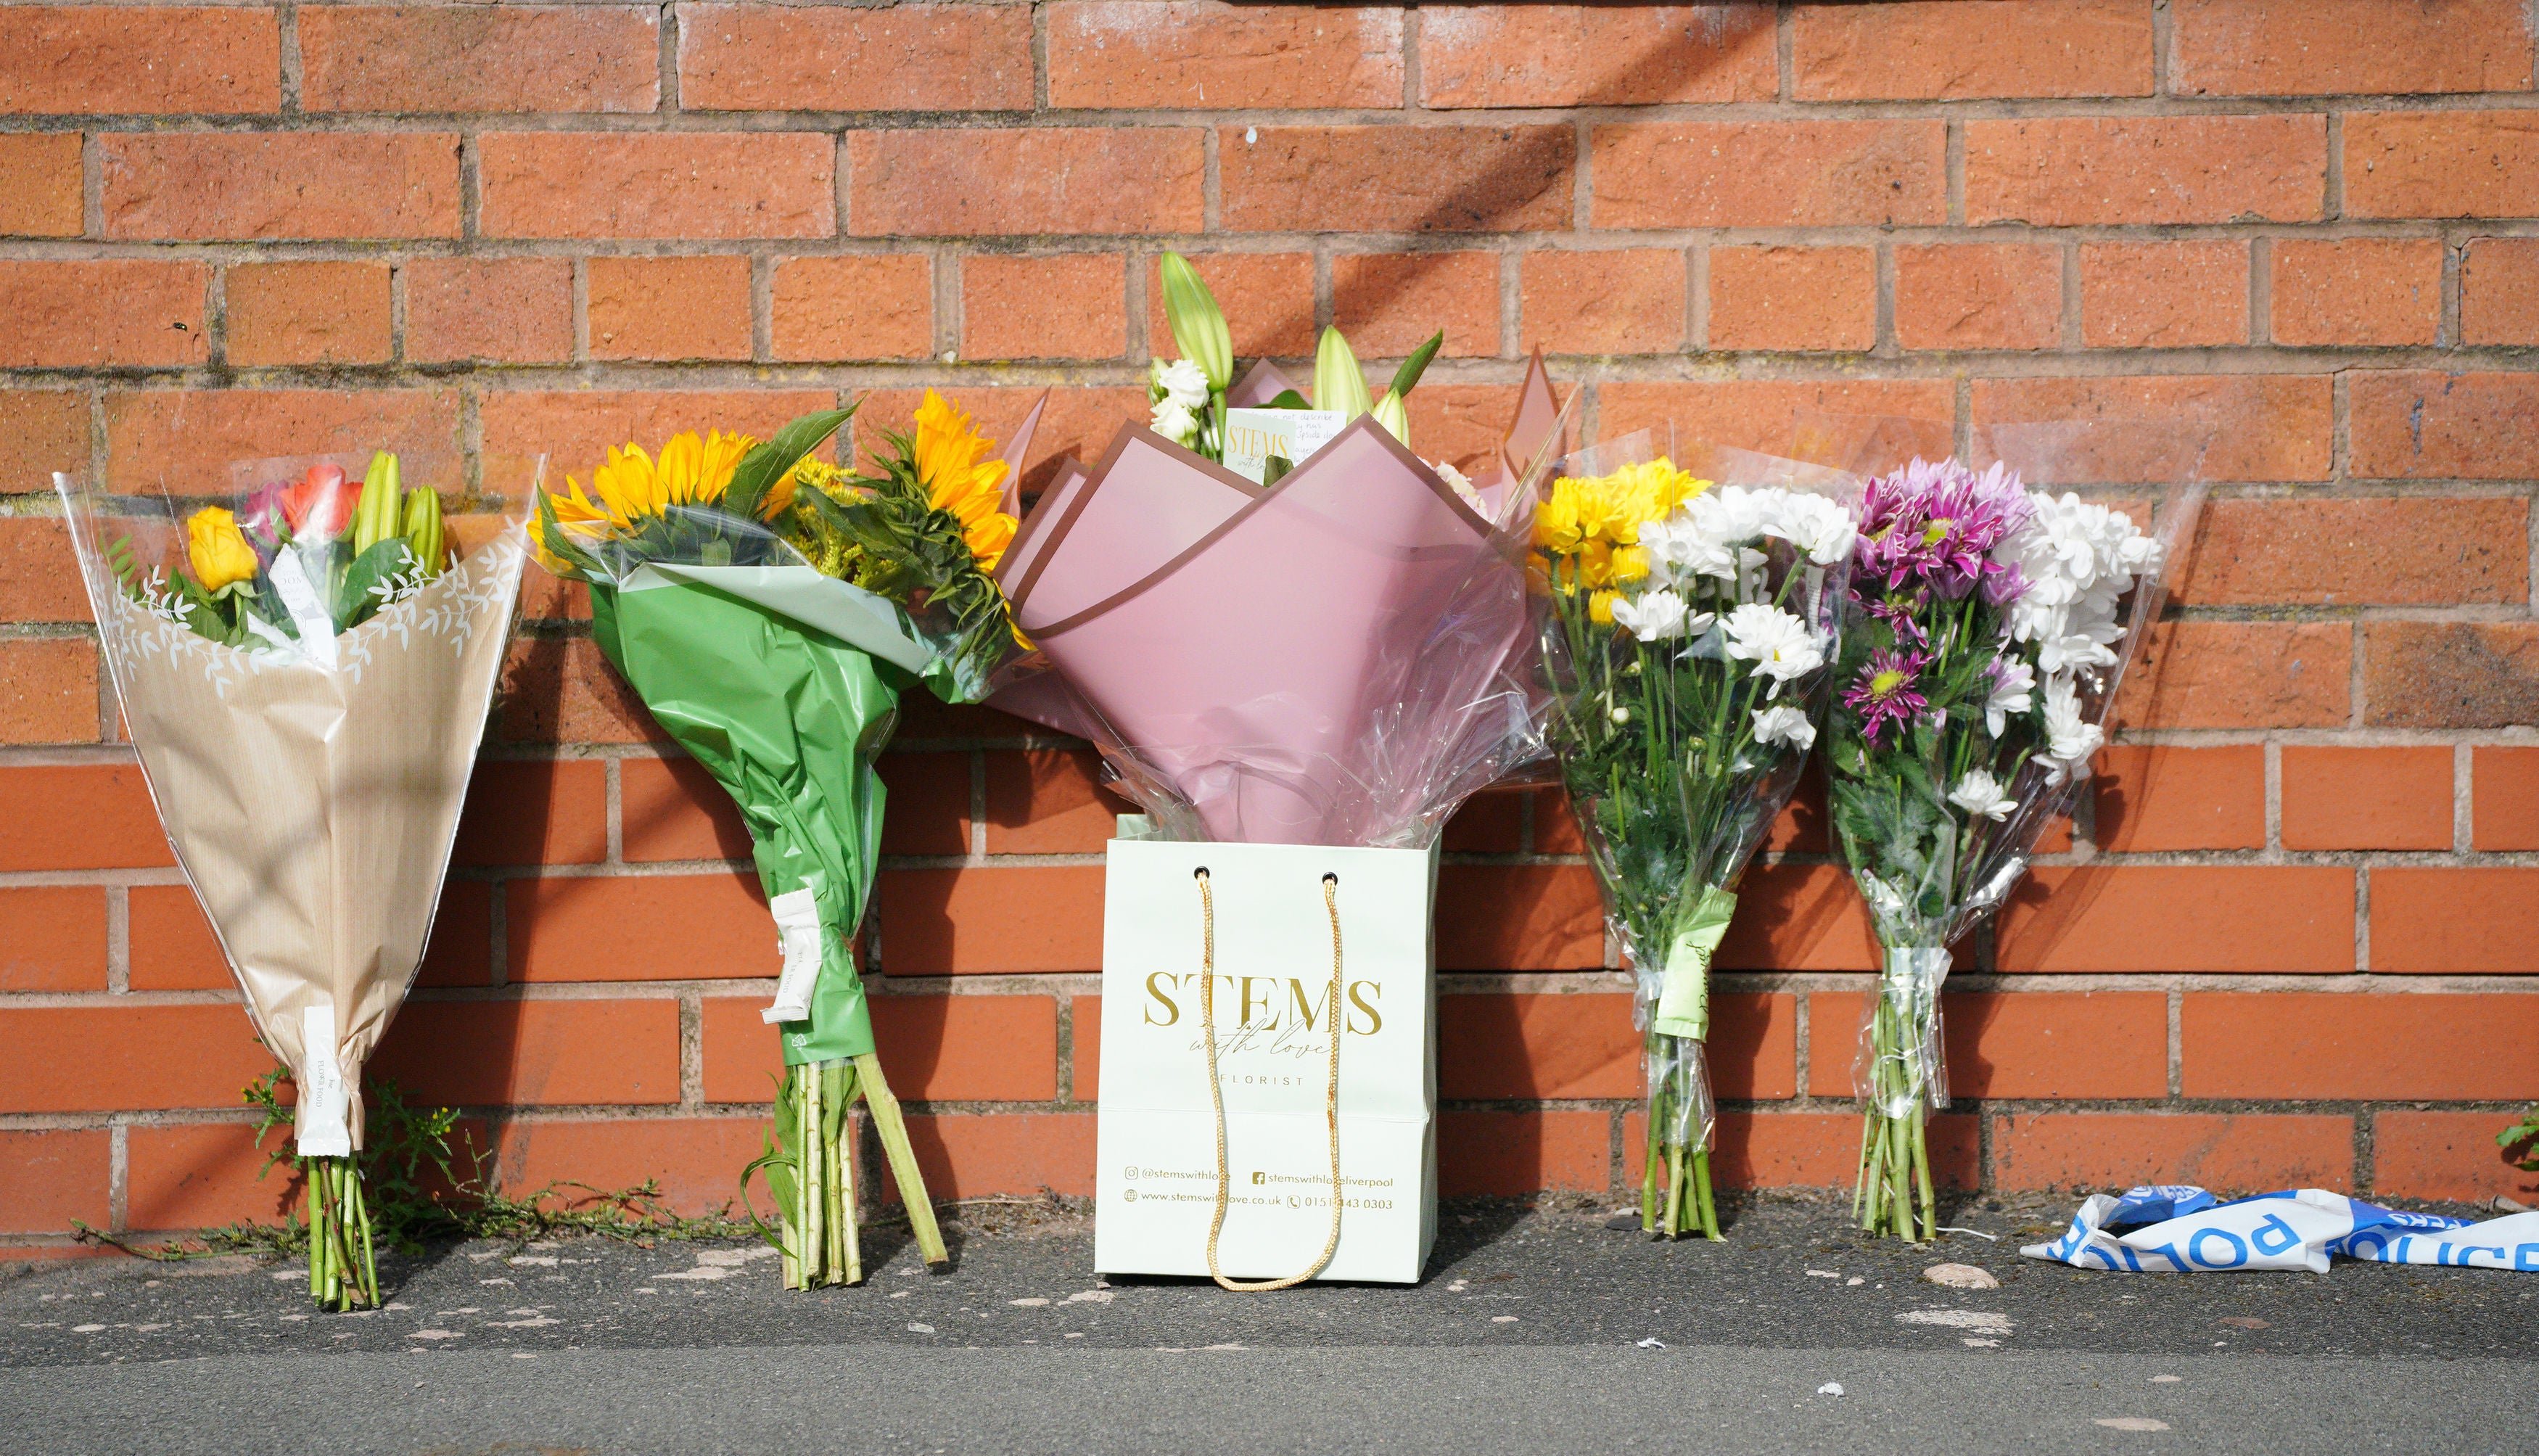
[{"x": 1216, "y": 1089}]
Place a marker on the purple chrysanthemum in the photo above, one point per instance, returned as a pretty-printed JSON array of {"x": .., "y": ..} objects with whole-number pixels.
[
  {"x": 1938, "y": 523},
  {"x": 1886, "y": 691}
]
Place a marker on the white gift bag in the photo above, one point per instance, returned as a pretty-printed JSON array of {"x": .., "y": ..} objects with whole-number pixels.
[{"x": 1157, "y": 1185}]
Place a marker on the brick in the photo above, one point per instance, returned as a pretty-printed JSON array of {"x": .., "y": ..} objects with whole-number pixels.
[
  {"x": 103, "y": 60},
  {"x": 1978, "y": 296},
  {"x": 1627, "y": 300},
  {"x": 1506, "y": 1154},
  {"x": 1463, "y": 424},
  {"x": 2163, "y": 295},
  {"x": 308, "y": 314},
  {"x": 1267, "y": 298},
  {"x": 488, "y": 310},
  {"x": 1079, "y": 422},
  {"x": 983, "y": 1154},
  {"x": 671, "y": 809},
  {"x": 1395, "y": 178},
  {"x": 932, "y": 1048},
  {"x": 1050, "y": 802},
  {"x": 2162, "y": 800},
  {"x": 819, "y": 58},
  {"x": 1389, "y": 304},
  {"x": 533, "y": 1053},
  {"x": 39, "y": 185},
  {"x": 534, "y": 812},
  {"x": 2346, "y": 47},
  {"x": 1951, "y": 50},
  {"x": 1793, "y": 298},
  {"x": 1042, "y": 180},
  {"x": 87, "y": 816},
  {"x": 562, "y": 690},
  {"x": 275, "y": 185},
  {"x": 1754, "y": 1047},
  {"x": 2499, "y": 290},
  {"x": 576, "y": 428},
  {"x": 2078, "y": 171},
  {"x": 1065, "y": 306},
  {"x": 669, "y": 309},
  {"x": 172, "y": 947},
  {"x": 42, "y": 430},
  {"x": 2450, "y": 675},
  {"x": 1490, "y": 822},
  {"x": 2387, "y": 1045},
  {"x": 2367, "y": 798},
  {"x": 2395, "y": 551},
  {"x": 1518, "y": 918},
  {"x": 1593, "y": 55},
  {"x": 657, "y": 185},
  {"x": 49, "y": 690},
  {"x": 1801, "y": 827},
  {"x": 96, "y": 1059},
  {"x": 117, "y": 312},
  {"x": 2228, "y": 1152},
  {"x": 2441, "y": 164},
  {"x": 2156, "y": 430},
  {"x": 1808, "y": 174},
  {"x": 2504, "y": 812},
  {"x": 694, "y": 1161},
  {"x": 1772, "y": 415},
  {"x": 2443, "y": 1156},
  {"x": 185, "y": 439},
  {"x": 2048, "y": 1045},
  {"x": 461, "y": 952},
  {"x": 855, "y": 307},
  {"x": 2358, "y": 291},
  {"x": 206, "y": 1176},
  {"x": 929, "y": 803},
  {"x": 2416, "y": 424},
  {"x": 1116, "y": 55},
  {"x": 1535, "y": 1046},
  {"x": 2211, "y": 674},
  {"x": 1798, "y": 918},
  {"x": 445, "y": 58},
  {"x": 606, "y": 928},
  {"x": 990, "y": 920},
  {"x": 52, "y": 938},
  {"x": 2216, "y": 918},
  {"x": 2454, "y": 922},
  {"x": 51, "y": 1177}
]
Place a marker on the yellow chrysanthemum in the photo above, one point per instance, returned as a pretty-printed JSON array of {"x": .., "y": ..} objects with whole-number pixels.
[
  {"x": 953, "y": 463},
  {"x": 1599, "y": 607},
  {"x": 1609, "y": 509}
]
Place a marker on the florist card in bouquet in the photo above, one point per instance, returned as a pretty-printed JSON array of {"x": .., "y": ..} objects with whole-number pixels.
[{"x": 1255, "y": 437}]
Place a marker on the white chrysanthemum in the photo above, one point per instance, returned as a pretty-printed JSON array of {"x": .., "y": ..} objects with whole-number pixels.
[
  {"x": 2070, "y": 738},
  {"x": 1716, "y": 528},
  {"x": 1181, "y": 381},
  {"x": 1779, "y": 645},
  {"x": 2013, "y": 690},
  {"x": 2077, "y": 561},
  {"x": 1819, "y": 527},
  {"x": 1980, "y": 794},
  {"x": 1783, "y": 724},
  {"x": 1460, "y": 484},
  {"x": 1654, "y": 616}
]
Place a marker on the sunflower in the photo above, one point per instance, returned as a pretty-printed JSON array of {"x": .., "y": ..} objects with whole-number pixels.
[{"x": 961, "y": 478}]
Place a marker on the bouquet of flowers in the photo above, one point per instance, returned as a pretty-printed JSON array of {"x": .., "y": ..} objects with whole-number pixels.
[
  {"x": 771, "y": 608},
  {"x": 305, "y": 674},
  {"x": 1993, "y": 623},
  {"x": 1687, "y": 633}
]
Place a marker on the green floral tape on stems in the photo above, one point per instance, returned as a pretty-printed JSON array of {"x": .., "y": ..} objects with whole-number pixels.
[{"x": 1684, "y": 1003}]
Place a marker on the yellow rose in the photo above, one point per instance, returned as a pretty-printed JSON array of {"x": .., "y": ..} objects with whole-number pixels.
[{"x": 219, "y": 552}]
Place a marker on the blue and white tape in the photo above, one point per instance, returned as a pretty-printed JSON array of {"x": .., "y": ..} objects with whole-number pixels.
[{"x": 2171, "y": 1228}]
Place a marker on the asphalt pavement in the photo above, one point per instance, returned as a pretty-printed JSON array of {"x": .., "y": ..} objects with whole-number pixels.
[{"x": 1536, "y": 1329}]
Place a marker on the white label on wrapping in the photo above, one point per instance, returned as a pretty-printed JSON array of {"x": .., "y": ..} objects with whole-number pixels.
[
  {"x": 308, "y": 613},
  {"x": 1253, "y": 435},
  {"x": 797, "y": 934},
  {"x": 321, "y": 1113}
]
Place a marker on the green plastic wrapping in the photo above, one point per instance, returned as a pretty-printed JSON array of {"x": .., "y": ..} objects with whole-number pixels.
[{"x": 788, "y": 719}]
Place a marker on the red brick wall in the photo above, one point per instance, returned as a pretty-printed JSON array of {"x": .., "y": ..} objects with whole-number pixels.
[{"x": 2289, "y": 939}]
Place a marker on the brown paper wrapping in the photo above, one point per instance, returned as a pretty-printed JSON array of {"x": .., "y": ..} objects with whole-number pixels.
[{"x": 312, "y": 812}]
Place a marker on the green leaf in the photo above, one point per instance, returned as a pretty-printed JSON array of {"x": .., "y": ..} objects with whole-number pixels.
[
  {"x": 1408, "y": 376},
  {"x": 1273, "y": 466},
  {"x": 1287, "y": 399},
  {"x": 357, "y": 599},
  {"x": 763, "y": 466}
]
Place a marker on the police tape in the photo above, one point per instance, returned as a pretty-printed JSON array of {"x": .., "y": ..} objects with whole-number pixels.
[{"x": 2172, "y": 1229}]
